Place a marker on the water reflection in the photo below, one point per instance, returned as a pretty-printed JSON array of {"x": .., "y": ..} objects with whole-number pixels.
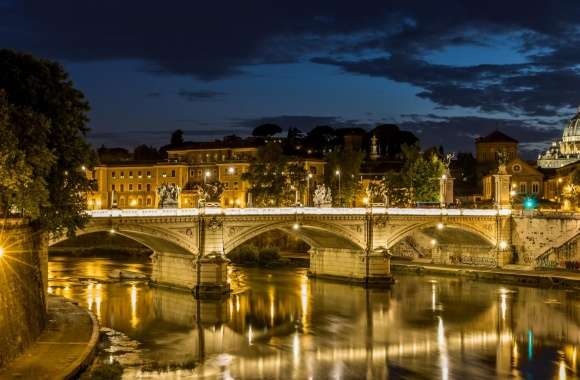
[{"x": 281, "y": 325}]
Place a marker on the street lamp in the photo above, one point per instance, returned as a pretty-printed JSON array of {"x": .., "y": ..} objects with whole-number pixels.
[
  {"x": 206, "y": 175},
  {"x": 308, "y": 177},
  {"x": 1, "y": 251},
  {"x": 337, "y": 173}
]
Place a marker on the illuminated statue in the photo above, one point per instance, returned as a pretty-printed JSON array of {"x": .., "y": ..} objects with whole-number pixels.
[
  {"x": 168, "y": 195},
  {"x": 322, "y": 196}
]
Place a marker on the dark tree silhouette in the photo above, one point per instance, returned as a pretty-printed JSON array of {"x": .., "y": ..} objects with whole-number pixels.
[
  {"x": 177, "y": 137},
  {"x": 266, "y": 130}
]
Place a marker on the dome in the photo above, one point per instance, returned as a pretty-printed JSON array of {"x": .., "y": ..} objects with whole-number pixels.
[{"x": 572, "y": 131}]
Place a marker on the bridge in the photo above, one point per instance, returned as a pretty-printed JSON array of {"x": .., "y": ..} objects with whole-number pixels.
[{"x": 352, "y": 244}]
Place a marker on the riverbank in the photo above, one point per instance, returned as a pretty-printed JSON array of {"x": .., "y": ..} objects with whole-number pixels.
[
  {"x": 513, "y": 274},
  {"x": 64, "y": 349}
]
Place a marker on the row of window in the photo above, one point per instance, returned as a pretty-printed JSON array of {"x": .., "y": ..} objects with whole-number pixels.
[
  {"x": 121, "y": 187},
  {"x": 140, "y": 174},
  {"x": 134, "y": 202},
  {"x": 523, "y": 187}
]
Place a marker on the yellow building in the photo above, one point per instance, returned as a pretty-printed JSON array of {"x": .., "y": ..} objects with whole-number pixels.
[
  {"x": 525, "y": 179},
  {"x": 135, "y": 184}
]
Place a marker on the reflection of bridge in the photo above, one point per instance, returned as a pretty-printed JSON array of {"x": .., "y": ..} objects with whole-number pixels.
[{"x": 348, "y": 243}]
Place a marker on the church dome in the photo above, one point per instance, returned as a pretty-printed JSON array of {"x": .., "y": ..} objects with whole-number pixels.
[{"x": 572, "y": 130}]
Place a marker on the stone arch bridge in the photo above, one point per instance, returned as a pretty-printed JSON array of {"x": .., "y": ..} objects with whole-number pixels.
[{"x": 346, "y": 243}]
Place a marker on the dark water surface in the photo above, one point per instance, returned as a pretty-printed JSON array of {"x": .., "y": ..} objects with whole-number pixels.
[{"x": 278, "y": 324}]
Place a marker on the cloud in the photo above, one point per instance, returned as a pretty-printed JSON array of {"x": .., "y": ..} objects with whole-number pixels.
[
  {"x": 210, "y": 40},
  {"x": 458, "y": 133},
  {"x": 200, "y": 95}
]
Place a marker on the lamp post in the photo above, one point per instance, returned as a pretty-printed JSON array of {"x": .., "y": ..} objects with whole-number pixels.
[
  {"x": 337, "y": 172},
  {"x": 308, "y": 189}
]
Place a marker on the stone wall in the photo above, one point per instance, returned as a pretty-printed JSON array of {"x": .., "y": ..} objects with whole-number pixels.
[
  {"x": 533, "y": 236},
  {"x": 23, "y": 285}
]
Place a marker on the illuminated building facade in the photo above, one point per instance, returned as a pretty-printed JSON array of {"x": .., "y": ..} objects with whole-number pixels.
[{"x": 567, "y": 150}]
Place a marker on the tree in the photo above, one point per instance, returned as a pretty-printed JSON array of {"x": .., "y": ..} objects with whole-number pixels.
[
  {"x": 344, "y": 185},
  {"x": 266, "y": 130},
  {"x": 24, "y": 160},
  {"x": 112, "y": 154},
  {"x": 145, "y": 153},
  {"x": 42, "y": 93},
  {"x": 177, "y": 137},
  {"x": 273, "y": 178},
  {"x": 322, "y": 138},
  {"x": 421, "y": 173}
]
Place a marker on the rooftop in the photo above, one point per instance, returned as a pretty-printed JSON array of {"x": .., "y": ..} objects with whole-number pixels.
[{"x": 496, "y": 137}]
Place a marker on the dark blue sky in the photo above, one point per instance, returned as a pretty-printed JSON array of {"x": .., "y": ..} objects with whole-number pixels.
[{"x": 447, "y": 70}]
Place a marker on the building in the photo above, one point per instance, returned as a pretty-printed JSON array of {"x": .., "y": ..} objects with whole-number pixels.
[
  {"x": 525, "y": 179},
  {"x": 134, "y": 184},
  {"x": 567, "y": 150},
  {"x": 487, "y": 148},
  {"x": 560, "y": 187}
]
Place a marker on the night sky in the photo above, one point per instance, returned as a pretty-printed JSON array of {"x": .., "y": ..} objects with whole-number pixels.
[{"x": 446, "y": 70}]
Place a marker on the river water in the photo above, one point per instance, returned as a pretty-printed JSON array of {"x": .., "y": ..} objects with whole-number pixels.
[{"x": 278, "y": 324}]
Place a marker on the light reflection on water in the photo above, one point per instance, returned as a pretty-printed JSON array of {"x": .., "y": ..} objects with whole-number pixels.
[{"x": 278, "y": 324}]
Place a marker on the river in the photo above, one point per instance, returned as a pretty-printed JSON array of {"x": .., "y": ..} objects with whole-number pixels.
[{"x": 279, "y": 324}]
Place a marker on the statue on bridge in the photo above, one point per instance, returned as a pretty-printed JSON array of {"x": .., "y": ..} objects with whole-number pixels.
[
  {"x": 168, "y": 195},
  {"x": 322, "y": 196},
  {"x": 210, "y": 193}
]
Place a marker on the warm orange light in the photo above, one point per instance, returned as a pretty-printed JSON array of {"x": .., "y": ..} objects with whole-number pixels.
[{"x": 1, "y": 251}]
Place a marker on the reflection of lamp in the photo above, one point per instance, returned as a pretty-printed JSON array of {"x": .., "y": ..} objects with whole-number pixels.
[{"x": 440, "y": 226}]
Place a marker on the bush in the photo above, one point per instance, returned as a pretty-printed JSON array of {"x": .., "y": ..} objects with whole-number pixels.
[
  {"x": 246, "y": 254},
  {"x": 268, "y": 256}
]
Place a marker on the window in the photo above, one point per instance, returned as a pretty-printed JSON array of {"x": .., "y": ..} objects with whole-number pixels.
[
  {"x": 192, "y": 173},
  {"x": 148, "y": 201},
  {"x": 130, "y": 187},
  {"x": 535, "y": 188},
  {"x": 122, "y": 187},
  {"x": 173, "y": 173},
  {"x": 113, "y": 174},
  {"x": 235, "y": 185},
  {"x": 148, "y": 187},
  {"x": 113, "y": 187},
  {"x": 523, "y": 188},
  {"x": 148, "y": 174},
  {"x": 139, "y": 174},
  {"x": 139, "y": 187},
  {"x": 122, "y": 174},
  {"x": 130, "y": 174}
]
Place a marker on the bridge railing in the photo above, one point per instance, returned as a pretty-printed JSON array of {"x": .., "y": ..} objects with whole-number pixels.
[{"x": 128, "y": 213}]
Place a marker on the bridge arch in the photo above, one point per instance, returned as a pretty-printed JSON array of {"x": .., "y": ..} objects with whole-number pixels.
[
  {"x": 156, "y": 239},
  {"x": 488, "y": 236},
  {"x": 315, "y": 233}
]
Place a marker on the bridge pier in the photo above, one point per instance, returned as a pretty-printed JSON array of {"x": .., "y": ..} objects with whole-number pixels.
[
  {"x": 176, "y": 270},
  {"x": 351, "y": 265}
]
